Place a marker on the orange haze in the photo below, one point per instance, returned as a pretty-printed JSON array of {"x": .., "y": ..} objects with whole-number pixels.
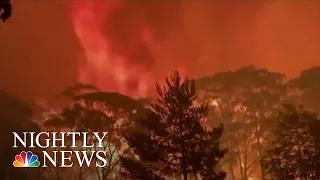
[{"x": 126, "y": 46}]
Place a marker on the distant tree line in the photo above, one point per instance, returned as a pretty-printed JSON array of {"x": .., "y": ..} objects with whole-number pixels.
[{"x": 242, "y": 124}]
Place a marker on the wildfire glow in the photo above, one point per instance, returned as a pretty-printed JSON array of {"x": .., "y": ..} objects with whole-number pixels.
[{"x": 108, "y": 71}]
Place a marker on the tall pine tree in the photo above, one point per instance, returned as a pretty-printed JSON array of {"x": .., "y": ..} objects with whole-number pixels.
[{"x": 172, "y": 141}]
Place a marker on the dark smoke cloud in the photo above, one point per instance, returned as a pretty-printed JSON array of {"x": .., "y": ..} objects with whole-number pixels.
[{"x": 40, "y": 53}]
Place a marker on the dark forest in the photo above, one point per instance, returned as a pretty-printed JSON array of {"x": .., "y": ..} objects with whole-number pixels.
[
  {"x": 244, "y": 124},
  {"x": 249, "y": 123}
]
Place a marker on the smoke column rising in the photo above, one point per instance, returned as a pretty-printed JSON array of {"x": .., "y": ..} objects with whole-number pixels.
[
  {"x": 103, "y": 68},
  {"x": 48, "y": 50}
]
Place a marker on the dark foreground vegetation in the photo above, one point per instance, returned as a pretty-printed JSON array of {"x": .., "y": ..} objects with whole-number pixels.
[
  {"x": 5, "y": 10},
  {"x": 239, "y": 125}
]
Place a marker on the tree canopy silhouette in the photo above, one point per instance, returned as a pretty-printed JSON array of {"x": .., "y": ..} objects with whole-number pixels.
[
  {"x": 244, "y": 101},
  {"x": 15, "y": 116},
  {"x": 5, "y": 9},
  {"x": 294, "y": 152},
  {"x": 171, "y": 141},
  {"x": 305, "y": 88},
  {"x": 93, "y": 110}
]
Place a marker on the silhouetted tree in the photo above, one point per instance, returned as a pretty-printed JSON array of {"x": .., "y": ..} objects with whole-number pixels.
[
  {"x": 305, "y": 89},
  {"x": 94, "y": 111},
  {"x": 15, "y": 116},
  {"x": 171, "y": 140},
  {"x": 244, "y": 101},
  {"x": 294, "y": 152},
  {"x": 5, "y": 9}
]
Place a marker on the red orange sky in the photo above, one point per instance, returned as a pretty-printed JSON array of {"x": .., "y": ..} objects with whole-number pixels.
[{"x": 41, "y": 53}]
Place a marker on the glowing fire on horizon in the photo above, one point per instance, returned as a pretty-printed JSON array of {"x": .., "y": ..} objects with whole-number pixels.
[{"x": 107, "y": 71}]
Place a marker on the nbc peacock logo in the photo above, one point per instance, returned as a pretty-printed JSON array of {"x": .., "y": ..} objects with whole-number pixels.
[{"x": 26, "y": 160}]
